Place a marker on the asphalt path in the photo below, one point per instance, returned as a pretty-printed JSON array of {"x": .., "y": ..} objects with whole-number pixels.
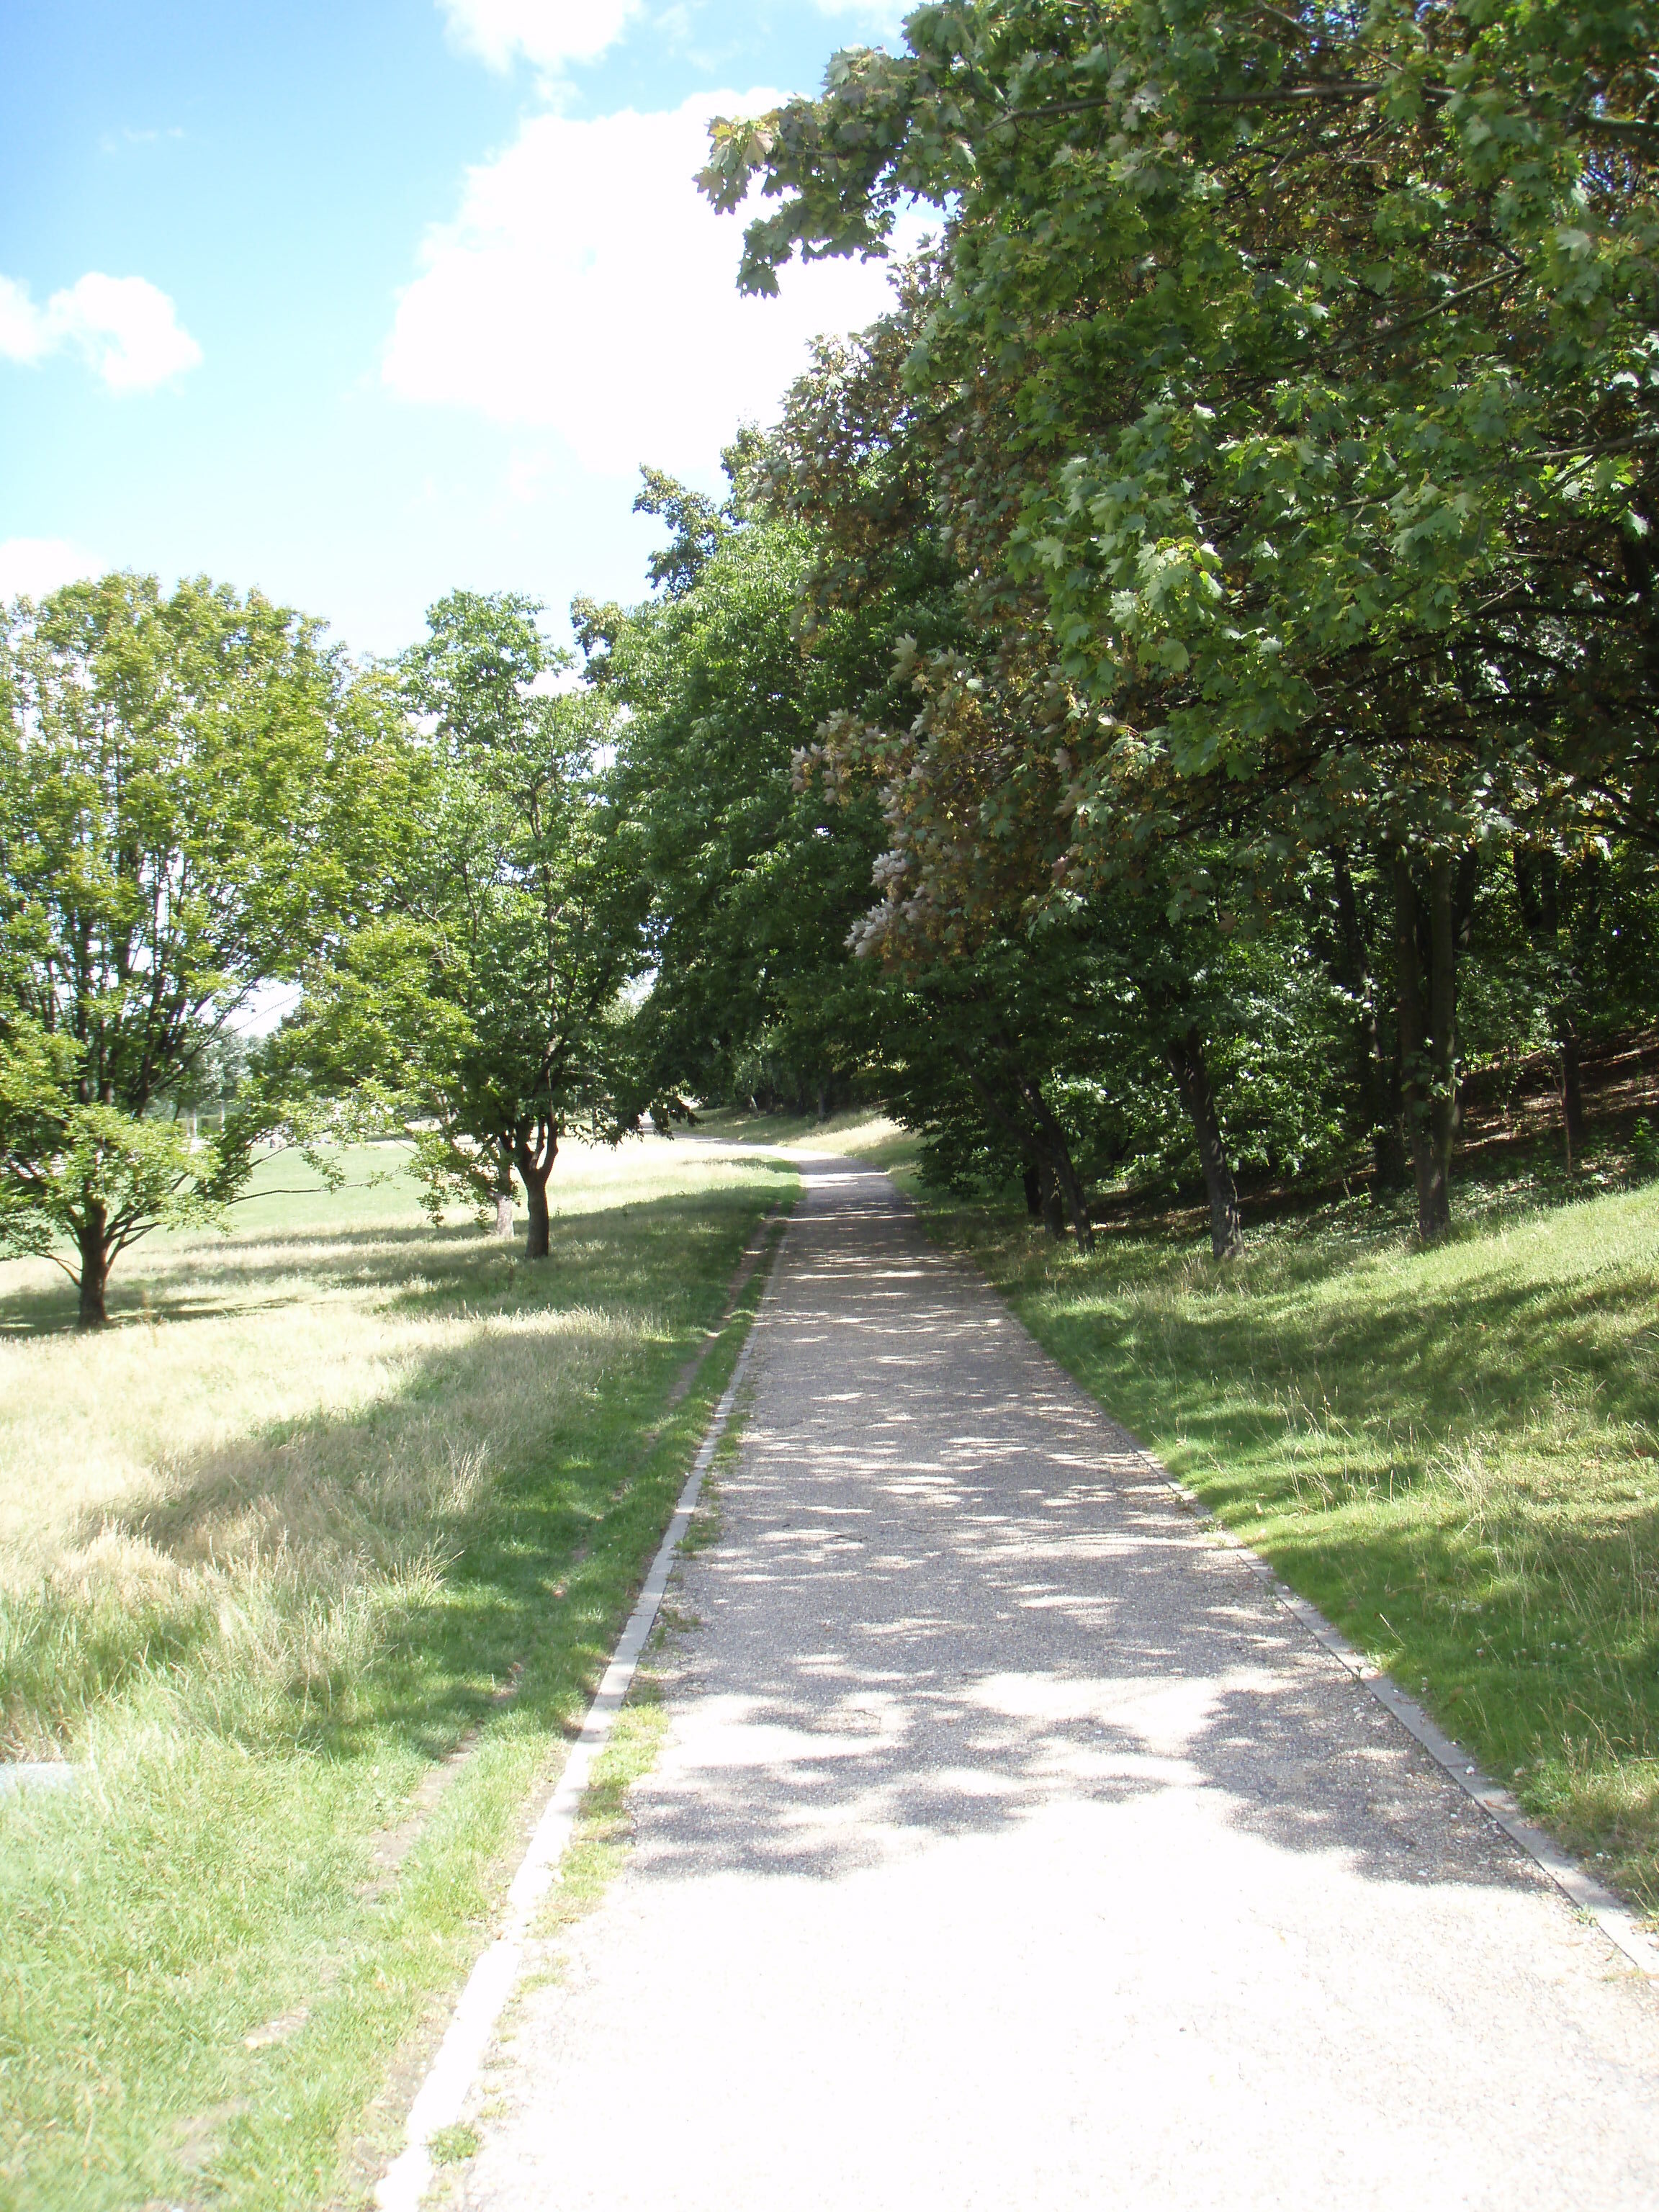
[{"x": 1012, "y": 1847}]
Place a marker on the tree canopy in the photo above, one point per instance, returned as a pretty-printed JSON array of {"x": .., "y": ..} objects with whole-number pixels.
[
  {"x": 1283, "y": 383},
  {"x": 1160, "y": 705},
  {"x": 482, "y": 998},
  {"x": 193, "y": 789}
]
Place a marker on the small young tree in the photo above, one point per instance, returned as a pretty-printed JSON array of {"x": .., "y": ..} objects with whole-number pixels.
[{"x": 179, "y": 776}]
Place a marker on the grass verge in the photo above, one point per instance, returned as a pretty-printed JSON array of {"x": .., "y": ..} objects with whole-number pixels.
[
  {"x": 272, "y": 1618},
  {"x": 1454, "y": 1454}
]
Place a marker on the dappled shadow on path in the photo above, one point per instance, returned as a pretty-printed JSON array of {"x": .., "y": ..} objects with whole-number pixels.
[{"x": 952, "y": 1599}]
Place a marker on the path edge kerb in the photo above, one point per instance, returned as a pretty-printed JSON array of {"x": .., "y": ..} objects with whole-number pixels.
[
  {"x": 441, "y": 2097},
  {"x": 1619, "y": 1922}
]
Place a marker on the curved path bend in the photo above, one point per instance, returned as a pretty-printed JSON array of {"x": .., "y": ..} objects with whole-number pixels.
[{"x": 1012, "y": 1848}]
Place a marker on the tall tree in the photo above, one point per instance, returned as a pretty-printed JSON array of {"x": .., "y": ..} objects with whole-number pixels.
[
  {"x": 1302, "y": 358},
  {"x": 755, "y": 882},
  {"x": 192, "y": 787},
  {"x": 486, "y": 996}
]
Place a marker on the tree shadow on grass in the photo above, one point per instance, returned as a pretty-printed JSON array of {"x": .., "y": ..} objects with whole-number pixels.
[{"x": 1454, "y": 1461}]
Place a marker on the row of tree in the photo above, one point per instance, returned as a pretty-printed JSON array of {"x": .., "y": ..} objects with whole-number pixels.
[
  {"x": 1280, "y": 402},
  {"x": 1162, "y": 702},
  {"x": 199, "y": 802}
]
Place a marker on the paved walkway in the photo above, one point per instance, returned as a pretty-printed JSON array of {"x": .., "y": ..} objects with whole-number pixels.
[{"x": 1013, "y": 1849}]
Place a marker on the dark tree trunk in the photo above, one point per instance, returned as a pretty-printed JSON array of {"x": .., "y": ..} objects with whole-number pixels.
[
  {"x": 535, "y": 1189},
  {"x": 1185, "y": 1055},
  {"x": 1375, "y": 1069},
  {"x": 1037, "y": 1130},
  {"x": 1053, "y": 1204},
  {"x": 1447, "y": 926},
  {"x": 1572, "y": 1089},
  {"x": 1055, "y": 1154},
  {"x": 1564, "y": 1007},
  {"x": 1031, "y": 1183},
  {"x": 1426, "y": 962},
  {"x": 94, "y": 1266},
  {"x": 1388, "y": 1138},
  {"x": 535, "y": 1166},
  {"x": 1413, "y": 1021}
]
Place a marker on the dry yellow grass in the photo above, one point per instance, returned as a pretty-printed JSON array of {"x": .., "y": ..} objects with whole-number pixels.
[{"x": 259, "y": 1464}]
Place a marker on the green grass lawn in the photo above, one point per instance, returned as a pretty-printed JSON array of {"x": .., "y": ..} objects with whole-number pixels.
[
  {"x": 1454, "y": 1454},
  {"x": 339, "y": 1495}
]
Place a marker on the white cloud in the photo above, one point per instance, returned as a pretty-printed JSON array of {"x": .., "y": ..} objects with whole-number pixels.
[
  {"x": 587, "y": 287},
  {"x": 126, "y": 330},
  {"x": 22, "y": 327},
  {"x": 31, "y": 567},
  {"x": 547, "y": 33}
]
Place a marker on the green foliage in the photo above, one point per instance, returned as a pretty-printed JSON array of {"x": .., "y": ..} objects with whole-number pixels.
[
  {"x": 1317, "y": 350},
  {"x": 191, "y": 789},
  {"x": 481, "y": 999},
  {"x": 754, "y": 879},
  {"x": 1282, "y": 386}
]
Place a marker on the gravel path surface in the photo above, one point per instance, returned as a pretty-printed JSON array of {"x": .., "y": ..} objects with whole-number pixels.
[{"x": 1012, "y": 1848}]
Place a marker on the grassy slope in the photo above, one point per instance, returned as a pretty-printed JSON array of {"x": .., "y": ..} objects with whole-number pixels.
[
  {"x": 1452, "y": 1454},
  {"x": 353, "y": 1479}
]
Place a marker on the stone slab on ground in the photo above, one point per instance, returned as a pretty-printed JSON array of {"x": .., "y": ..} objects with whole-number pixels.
[{"x": 1013, "y": 1848}]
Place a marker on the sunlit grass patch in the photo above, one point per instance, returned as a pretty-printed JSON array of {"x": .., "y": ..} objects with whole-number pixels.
[
  {"x": 859, "y": 1132},
  {"x": 1454, "y": 1454}
]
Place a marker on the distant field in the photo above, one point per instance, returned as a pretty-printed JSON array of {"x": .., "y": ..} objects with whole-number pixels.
[
  {"x": 1454, "y": 1454},
  {"x": 338, "y": 1492}
]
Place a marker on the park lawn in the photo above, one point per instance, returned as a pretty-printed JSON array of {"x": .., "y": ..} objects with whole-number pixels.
[
  {"x": 1454, "y": 1454},
  {"x": 311, "y": 1562}
]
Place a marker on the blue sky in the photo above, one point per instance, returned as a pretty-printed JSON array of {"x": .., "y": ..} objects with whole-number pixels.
[{"x": 360, "y": 302}]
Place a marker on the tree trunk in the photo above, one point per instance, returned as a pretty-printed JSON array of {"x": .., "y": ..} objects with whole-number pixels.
[
  {"x": 1572, "y": 1089},
  {"x": 1038, "y": 1131},
  {"x": 1053, "y": 1203},
  {"x": 1055, "y": 1154},
  {"x": 1031, "y": 1182},
  {"x": 535, "y": 1191},
  {"x": 1444, "y": 931},
  {"x": 1375, "y": 1072},
  {"x": 504, "y": 1194},
  {"x": 1564, "y": 1007},
  {"x": 534, "y": 1173},
  {"x": 1388, "y": 1134},
  {"x": 1185, "y": 1055},
  {"x": 94, "y": 1266},
  {"x": 1428, "y": 1034}
]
